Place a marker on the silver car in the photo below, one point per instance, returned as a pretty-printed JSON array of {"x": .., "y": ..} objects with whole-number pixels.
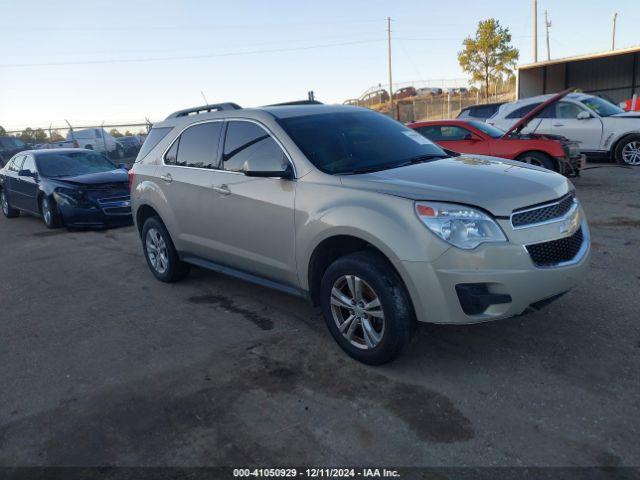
[{"x": 366, "y": 218}]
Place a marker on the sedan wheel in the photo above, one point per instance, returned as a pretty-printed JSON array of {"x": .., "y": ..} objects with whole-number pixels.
[
  {"x": 631, "y": 153},
  {"x": 46, "y": 212},
  {"x": 5, "y": 205},
  {"x": 357, "y": 312},
  {"x": 157, "y": 251}
]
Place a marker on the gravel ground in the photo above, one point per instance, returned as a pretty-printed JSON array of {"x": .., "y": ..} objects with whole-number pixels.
[{"x": 103, "y": 365}]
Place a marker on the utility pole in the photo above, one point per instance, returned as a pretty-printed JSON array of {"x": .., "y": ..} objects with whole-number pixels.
[
  {"x": 535, "y": 31},
  {"x": 613, "y": 36},
  {"x": 547, "y": 24},
  {"x": 391, "y": 110}
]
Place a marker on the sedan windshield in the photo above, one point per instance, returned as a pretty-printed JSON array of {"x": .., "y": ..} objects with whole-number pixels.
[
  {"x": 358, "y": 142},
  {"x": 72, "y": 164},
  {"x": 490, "y": 130},
  {"x": 601, "y": 106}
]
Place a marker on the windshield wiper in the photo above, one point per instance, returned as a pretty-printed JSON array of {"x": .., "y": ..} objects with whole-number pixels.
[{"x": 389, "y": 166}]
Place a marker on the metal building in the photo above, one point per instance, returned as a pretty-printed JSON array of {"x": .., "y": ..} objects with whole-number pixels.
[{"x": 613, "y": 75}]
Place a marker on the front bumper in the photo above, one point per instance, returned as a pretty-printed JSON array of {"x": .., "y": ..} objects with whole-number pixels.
[
  {"x": 506, "y": 270},
  {"x": 571, "y": 166},
  {"x": 100, "y": 215}
]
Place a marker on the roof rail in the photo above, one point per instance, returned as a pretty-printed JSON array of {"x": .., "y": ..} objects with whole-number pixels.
[
  {"x": 216, "y": 107},
  {"x": 296, "y": 102}
]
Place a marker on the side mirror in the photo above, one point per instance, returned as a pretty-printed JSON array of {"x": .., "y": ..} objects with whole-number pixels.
[
  {"x": 583, "y": 115},
  {"x": 255, "y": 167},
  {"x": 25, "y": 173}
]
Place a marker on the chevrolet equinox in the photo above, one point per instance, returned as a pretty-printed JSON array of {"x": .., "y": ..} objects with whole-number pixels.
[{"x": 372, "y": 222}]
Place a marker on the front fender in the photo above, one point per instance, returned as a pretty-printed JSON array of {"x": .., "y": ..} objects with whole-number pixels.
[{"x": 387, "y": 222}]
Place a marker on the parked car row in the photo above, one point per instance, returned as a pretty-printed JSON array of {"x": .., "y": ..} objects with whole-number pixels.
[
  {"x": 369, "y": 220},
  {"x": 379, "y": 96}
]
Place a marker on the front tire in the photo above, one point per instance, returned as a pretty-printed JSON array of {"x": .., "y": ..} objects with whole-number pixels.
[
  {"x": 628, "y": 151},
  {"x": 160, "y": 253},
  {"x": 50, "y": 214},
  {"x": 367, "y": 308},
  {"x": 8, "y": 211},
  {"x": 538, "y": 159}
]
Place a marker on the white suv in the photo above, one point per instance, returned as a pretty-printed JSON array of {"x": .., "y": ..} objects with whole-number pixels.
[{"x": 602, "y": 129}]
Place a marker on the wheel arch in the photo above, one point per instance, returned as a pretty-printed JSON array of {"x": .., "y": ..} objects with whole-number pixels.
[
  {"x": 143, "y": 213},
  {"x": 617, "y": 141},
  {"x": 337, "y": 245},
  {"x": 556, "y": 162}
]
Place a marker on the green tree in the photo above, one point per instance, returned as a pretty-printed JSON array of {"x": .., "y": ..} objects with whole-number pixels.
[
  {"x": 489, "y": 54},
  {"x": 115, "y": 133},
  {"x": 40, "y": 135},
  {"x": 128, "y": 134},
  {"x": 2, "y": 131},
  {"x": 27, "y": 135}
]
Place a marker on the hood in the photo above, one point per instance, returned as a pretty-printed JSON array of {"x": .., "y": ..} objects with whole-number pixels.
[
  {"x": 496, "y": 185},
  {"x": 524, "y": 121},
  {"x": 102, "y": 178},
  {"x": 625, "y": 115}
]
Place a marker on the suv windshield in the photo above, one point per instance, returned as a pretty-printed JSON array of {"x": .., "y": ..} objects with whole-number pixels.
[
  {"x": 601, "y": 106},
  {"x": 358, "y": 141},
  {"x": 72, "y": 164},
  {"x": 493, "y": 132}
]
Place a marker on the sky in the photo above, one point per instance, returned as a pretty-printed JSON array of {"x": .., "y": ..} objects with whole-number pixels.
[{"x": 123, "y": 61}]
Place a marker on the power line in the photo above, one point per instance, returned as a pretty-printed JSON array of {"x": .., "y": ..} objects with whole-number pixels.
[{"x": 188, "y": 57}]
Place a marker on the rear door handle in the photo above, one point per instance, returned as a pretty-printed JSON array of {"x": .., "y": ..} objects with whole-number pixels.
[
  {"x": 557, "y": 124},
  {"x": 222, "y": 190},
  {"x": 167, "y": 178}
]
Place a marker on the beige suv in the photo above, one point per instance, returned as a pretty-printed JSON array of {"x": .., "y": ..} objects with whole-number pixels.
[{"x": 365, "y": 217}]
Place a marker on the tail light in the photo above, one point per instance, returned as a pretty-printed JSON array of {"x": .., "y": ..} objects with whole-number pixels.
[{"x": 131, "y": 175}]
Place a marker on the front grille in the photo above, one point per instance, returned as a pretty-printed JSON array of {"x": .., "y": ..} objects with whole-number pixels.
[
  {"x": 549, "y": 254},
  {"x": 117, "y": 210},
  {"x": 543, "y": 213}
]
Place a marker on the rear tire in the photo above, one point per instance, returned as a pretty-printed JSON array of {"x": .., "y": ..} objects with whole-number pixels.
[
  {"x": 160, "y": 253},
  {"x": 628, "y": 151},
  {"x": 8, "y": 211},
  {"x": 538, "y": 159},
  {"x": 50, "y": 215},
  {"x": 367, "y": 308}
]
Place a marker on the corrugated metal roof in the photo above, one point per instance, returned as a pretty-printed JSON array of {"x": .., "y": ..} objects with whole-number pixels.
[{"x": 589, "y": 56}]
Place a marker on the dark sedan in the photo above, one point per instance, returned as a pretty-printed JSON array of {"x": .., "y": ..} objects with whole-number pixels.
[{"x": 71, "y": 187}]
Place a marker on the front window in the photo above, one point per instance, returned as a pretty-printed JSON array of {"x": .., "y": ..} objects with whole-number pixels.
[
  {"x": 72, "y": 164},
  {"x": 490, "y": 130},
  {"x": 356, "y": 142},
  {"x": 601, "y": 106}
]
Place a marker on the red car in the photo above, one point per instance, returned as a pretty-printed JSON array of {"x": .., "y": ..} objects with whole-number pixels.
[{"x": 474, "y": 136}]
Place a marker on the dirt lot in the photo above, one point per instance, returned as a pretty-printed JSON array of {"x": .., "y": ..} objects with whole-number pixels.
[{"x": 103, "y": 365}]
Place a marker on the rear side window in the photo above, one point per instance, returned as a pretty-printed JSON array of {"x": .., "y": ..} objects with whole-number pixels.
[
  {"x": 247, "y": 140},
  {"x": 522, "y": 111},
  {"x": 154, "y": 137},
  {"x": 197, "y": 147},
  {"x": 16, "y": 163}
]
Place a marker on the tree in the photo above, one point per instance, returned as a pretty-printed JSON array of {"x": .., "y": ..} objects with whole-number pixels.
[
  {"x": 128, "y": 134},
  {"x": 40, "y": 136},
  {"x": 27, "y": 135},
  {"x": 489, "y": 54},
  {"x": 3, "y": 132},
  {"x": 115, "y": 133}
]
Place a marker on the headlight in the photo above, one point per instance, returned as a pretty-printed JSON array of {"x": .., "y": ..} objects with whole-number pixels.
[
  {"x": 461, "y": 226},
  {"x": 71, "y": 195}
]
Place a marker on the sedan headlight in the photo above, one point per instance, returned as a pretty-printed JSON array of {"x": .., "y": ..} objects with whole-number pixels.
[
  {"x": 461, "y": 226},
  {"x": 70, "y": 195}
]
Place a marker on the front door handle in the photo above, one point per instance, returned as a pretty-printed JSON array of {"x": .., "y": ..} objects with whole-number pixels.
[
  {"x": 222, "y": 190},
  {"x": 167, "y": 178},
  {"x": 557, "y": 124}
]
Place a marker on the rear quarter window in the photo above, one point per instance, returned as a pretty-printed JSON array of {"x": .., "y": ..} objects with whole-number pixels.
[{"x": 154, "y": 137}]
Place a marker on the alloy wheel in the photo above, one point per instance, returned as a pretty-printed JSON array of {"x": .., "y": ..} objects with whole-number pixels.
[
  {"x": 157, "y": 251},
  {"x": 5, "y": 205},
  {"x": 46, "y": 211},
  {"x": 631, "y": 153},
  {"x": 357, "y": 312},
  {"x": 532, "y": 161}
]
